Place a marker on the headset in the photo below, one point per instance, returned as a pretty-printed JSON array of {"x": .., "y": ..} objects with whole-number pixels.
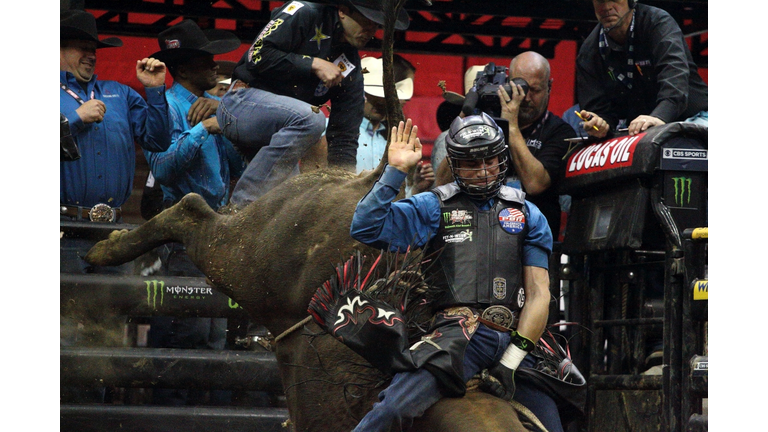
[{"x": 631, "y": 4}]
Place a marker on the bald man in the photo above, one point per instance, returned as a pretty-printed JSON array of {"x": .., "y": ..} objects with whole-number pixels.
[{"x": 536, "y": 136}]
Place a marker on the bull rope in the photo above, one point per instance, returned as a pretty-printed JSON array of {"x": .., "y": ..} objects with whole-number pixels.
[{"x": 293, "y": 328}]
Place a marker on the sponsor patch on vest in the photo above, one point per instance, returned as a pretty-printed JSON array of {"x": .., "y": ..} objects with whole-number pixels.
[
  {"x": 459, "y": 237},
  {"x": 499, "y": 288},
  {"x": 457, "y": 218},
  {"x": 521, "y": 298},
  {"x": 512, "y": 220}
]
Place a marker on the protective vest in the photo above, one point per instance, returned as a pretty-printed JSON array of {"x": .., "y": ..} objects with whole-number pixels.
[{"x": 478, "y": 253}]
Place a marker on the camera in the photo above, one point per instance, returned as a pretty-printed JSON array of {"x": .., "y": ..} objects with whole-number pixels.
[{"x": 483, "y": 96}]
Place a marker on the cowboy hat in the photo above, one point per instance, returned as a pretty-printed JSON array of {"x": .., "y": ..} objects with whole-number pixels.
[
  {"x": 77, "y": 24},
  {"x": 186, "y": 40},
  {"x": 469, "y": 82},
  {"x": 373, "y": 10},
  {"x": 373, "y": 80}
]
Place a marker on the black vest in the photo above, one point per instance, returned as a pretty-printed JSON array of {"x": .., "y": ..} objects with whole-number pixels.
[{"x": 478, "y": 254}]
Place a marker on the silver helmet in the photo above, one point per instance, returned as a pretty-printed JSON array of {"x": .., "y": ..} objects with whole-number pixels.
[{"x": 477, "y": 137}]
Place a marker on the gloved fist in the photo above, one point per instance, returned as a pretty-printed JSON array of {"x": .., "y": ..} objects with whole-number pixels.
[{"x": 499, "y": 381}]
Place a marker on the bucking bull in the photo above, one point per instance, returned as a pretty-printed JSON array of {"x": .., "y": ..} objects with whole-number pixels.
[{"x": 271, "y": 257}]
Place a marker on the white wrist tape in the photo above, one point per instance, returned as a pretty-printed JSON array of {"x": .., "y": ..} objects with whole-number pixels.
[{"x": 512, "y": 356}]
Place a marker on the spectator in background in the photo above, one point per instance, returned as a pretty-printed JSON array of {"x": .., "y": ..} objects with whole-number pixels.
[
  {"x": 304, "y": 57},
  {"x": 635, "y": 70},
  {"x": 106, "y": 118},
  {"x": 152, "y": 195},
  {"x": 536, "y": 136},
  {"x": 373, "y": 128},
  {"x": 199, "y": 160}
]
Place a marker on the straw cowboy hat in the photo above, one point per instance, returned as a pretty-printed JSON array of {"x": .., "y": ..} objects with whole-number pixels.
[
  {"x": 373, "y": 80},
  {"x": 373, "y": 10},
  {"x": 469, "y": 81},
  {"x": 186, "y": 40},
  {"x": 80, "y": 25}
]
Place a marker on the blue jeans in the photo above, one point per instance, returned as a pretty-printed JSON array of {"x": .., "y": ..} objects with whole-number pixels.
[
  {"x": 411, "y": 393},
  {"x": 277, "y": 129}
]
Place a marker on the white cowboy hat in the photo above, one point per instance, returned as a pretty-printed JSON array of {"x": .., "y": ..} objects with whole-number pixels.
[{"x": 373, "y": 80}]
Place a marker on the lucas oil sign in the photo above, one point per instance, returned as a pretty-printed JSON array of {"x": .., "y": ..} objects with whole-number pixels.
[{"x": 610, "y": 154}]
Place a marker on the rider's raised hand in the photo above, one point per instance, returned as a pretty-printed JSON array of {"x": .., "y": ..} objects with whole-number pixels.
[{"x": 404, "y": 147}]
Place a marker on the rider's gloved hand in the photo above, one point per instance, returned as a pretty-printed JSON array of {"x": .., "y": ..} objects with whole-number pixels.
[
  {"x": 505, "y": 387},
  {"x": 504, "y": 371}
]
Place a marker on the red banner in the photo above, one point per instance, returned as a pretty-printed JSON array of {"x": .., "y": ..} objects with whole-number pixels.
[{"x": 611, "y": 154}]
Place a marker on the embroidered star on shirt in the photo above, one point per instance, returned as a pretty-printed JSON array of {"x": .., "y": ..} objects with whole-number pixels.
[{"x": 319, "y": 36}]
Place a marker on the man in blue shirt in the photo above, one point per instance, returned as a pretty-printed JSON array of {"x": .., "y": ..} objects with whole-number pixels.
[
  {"x": 373, "y": 130},
  {"x": 200, "y": 159},
  {"x": 105, "y": 118},
  {"x": 495, "y": 249}
]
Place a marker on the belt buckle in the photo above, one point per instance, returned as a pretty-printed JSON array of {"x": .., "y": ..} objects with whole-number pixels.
[
  {"x": 101, "y": 213},
  {"x": 500, "y": 316}
]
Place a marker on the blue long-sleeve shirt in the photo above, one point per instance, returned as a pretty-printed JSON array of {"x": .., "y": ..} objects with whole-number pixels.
[
  {"x": 104, "y": 172},
  {"x": 196, "y": 161},
  {"x": 381, "y": 223}
]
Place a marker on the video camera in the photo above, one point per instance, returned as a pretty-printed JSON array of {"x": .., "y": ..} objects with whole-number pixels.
[{"x": 483, "y": 95}]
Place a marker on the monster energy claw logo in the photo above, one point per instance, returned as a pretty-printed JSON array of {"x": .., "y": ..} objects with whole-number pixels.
[
  {"x": 152, "y": 289},
  {"x": 682, "y": 190}
]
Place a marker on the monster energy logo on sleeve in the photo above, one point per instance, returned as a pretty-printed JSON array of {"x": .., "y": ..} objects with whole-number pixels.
[{"x": 682, "y": 190}]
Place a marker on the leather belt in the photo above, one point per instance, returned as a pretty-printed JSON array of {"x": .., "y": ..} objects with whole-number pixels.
[
  {"x": 499, "y": 318},
  {"x": 97, "y": 213}
]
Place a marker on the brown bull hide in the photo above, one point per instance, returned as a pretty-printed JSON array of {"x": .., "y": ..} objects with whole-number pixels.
[
  {"x": 330, "y": 383},
  {"x": 270, "y": 257}
]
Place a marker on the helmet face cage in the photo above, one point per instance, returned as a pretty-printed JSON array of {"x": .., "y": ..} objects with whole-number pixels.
[{"x": 477, "y": 138}]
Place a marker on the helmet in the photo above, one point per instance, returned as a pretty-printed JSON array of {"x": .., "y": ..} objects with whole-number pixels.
[{"x": 476, "y": 137}]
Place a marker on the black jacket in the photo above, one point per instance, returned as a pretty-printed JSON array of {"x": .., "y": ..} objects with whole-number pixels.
[
  {"x": 280, "y": 61},
  {"x": 667, "y": 85}
]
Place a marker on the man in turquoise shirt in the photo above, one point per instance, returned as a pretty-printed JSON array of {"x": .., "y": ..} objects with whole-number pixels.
[{"x": 200, "y": 159}]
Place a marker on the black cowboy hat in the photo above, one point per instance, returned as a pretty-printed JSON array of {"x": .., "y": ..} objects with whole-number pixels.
[
  {"x": 186, "y": 40},
  {"x": 372, "y": 9},
  {"x": 80, "y": 25}
]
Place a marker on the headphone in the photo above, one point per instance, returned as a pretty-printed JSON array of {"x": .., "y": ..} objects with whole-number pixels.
[{"x": 631, "y": 4}]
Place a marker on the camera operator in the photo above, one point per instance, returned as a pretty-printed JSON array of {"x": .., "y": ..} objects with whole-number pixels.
[{"x": 536, "y": 136}]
